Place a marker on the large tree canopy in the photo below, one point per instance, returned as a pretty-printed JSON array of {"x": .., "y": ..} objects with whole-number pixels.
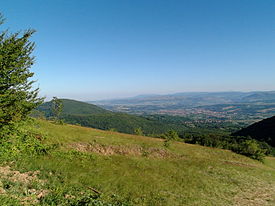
[{"x": 17, "y": 98}]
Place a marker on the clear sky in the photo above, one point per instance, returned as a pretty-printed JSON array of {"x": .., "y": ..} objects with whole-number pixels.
[{"x": 99, "y": 49}]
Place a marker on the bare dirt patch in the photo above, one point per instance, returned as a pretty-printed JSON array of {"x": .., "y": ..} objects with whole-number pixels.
[
  {"x": 24, "y": 193},
  {"x": 16, "y": 176},
  {"x": 134, "y": 150}
]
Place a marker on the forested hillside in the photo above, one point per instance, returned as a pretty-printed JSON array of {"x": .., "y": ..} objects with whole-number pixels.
[
  {"x": 262, "y": 131},
  {"x": 89, "y": 115},
  {"x": 73, "y": 107}
]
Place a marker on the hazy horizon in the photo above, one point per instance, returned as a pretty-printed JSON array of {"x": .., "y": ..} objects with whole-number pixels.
[
  {"x": 93, "y": 50},
  {"x": 148, "y": 94}
]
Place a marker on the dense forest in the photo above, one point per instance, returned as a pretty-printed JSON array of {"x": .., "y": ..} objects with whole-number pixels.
[{"x": 262, "y": 131}]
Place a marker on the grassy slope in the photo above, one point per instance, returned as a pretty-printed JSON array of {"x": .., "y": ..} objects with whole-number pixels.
[{"x": 141, "y": 171}]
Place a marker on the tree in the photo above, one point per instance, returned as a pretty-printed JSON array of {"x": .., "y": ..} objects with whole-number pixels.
[
  {"x": 169, "y": 136},
  {"x": 57, "y": 107},
  {"x": 17, "y": 98},
  {"x": 138, "y": 131}
]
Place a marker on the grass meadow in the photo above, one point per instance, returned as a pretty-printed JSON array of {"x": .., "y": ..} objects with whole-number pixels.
[{"x": 119, "y": 169}]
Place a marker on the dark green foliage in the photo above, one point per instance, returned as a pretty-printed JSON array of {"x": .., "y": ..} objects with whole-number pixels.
[
  {"x": 250, "y": 148},
  {"x": 262, "y": 131},
  {"x": 169, "y": 136},
  {"x": 241, "y": 145},
  {"x": 209, "y": 140},
  {"x": 121, "y": 122},
  {"x": 85, "y": 114},
  {"x": 72, "y": 107},
  {"x": 17, "y": 99}
]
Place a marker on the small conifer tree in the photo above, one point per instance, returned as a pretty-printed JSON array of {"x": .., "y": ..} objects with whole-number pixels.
[
  {"x": 57, "y": 107},
  {"x": 17, "y": 98}
]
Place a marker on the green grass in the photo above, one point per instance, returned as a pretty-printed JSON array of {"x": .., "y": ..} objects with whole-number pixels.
[{"x": 136, "y": 170}]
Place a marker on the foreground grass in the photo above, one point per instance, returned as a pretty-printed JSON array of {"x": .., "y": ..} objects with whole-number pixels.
[{"x": 133, "y": 170}]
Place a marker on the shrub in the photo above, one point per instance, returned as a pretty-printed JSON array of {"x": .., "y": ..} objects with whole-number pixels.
[
  {"x": 23, "y": 140},
  {"x": 138, "y": 131},
  {"x": 250, "y": 148},
  {"x": 170, "y": 136}
]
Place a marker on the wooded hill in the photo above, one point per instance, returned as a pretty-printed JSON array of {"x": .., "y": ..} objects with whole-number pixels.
[
  {"x": 89, "y": 115},
  {"x": 262, "y": 131}
]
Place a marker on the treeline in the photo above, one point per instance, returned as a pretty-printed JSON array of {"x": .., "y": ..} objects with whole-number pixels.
[
  {"x": 122, "y": 122},
  {"x": 238, "y": 144}
]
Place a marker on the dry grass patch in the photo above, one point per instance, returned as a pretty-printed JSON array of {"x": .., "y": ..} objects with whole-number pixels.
[
  {"x": 133, "y": 150},
  {"x": 257, "y": 195}
]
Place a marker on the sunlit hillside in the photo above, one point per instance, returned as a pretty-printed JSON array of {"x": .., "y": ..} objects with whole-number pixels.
[{"x": 120, "y": 169}]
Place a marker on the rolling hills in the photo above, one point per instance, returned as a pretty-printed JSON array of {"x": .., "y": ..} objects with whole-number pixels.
[{"x": 89, "y": 115}]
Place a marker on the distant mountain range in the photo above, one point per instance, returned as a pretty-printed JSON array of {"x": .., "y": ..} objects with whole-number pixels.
[
  {"x": 230, "y": 105},
  {"x": 193, "y": 98}
]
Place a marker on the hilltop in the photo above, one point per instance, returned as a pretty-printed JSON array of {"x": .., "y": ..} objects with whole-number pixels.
[
  {"x": 101, "y": 167},
  {"x": 73, "y": 107}
]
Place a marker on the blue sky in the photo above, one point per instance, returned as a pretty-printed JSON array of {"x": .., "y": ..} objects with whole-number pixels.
[{"x": 100, "y": 49}]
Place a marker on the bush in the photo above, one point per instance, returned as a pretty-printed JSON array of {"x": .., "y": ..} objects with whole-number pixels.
[
  {"x": 138, "y": 131},
  {"x": 238, "y": 144},
  {"x": 23, "y": 140},
  {"x": 170, "y": 136},
  {"x": 250, "y": 148}
]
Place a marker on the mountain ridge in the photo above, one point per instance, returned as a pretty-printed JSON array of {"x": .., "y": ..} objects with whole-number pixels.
[{"x": 234, "y": 96}]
